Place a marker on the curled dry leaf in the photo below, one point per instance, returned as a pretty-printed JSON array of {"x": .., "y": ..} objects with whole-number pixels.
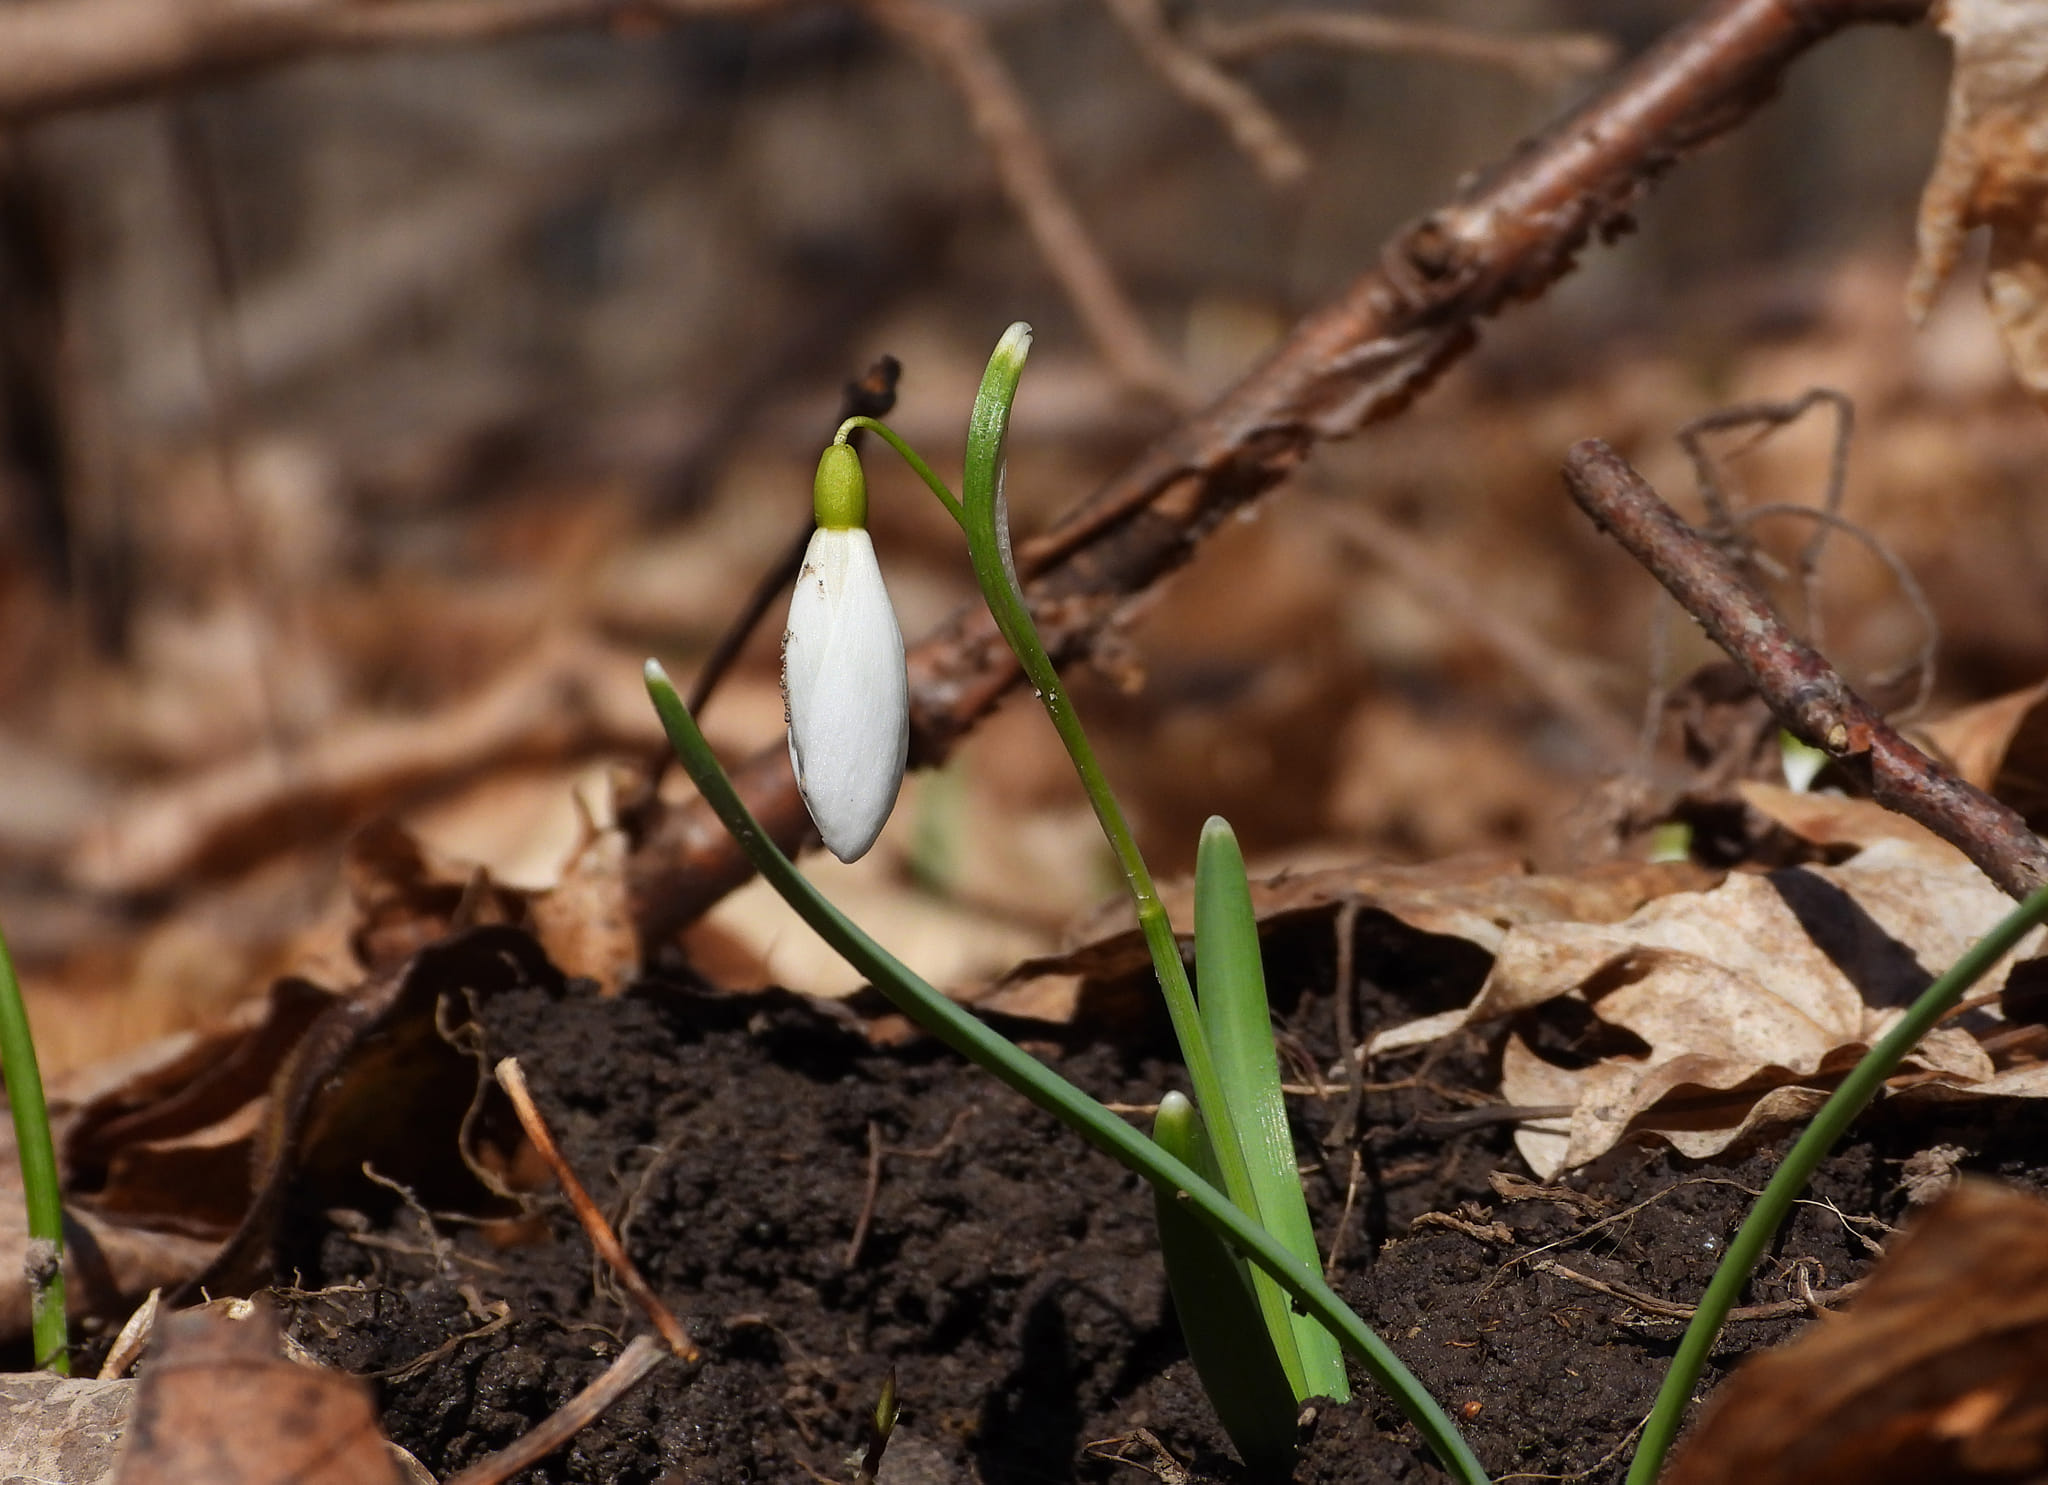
[
  {"x": 1474, "y": 898},
  {"x": 1939, "y": 1371},
  {"x": 177, "y": 1167},
  {"x": 1716, "y": 1012},
  {"x": 218, "y": 1404},
  {"x": 1993, "y": 172},
  {"x": 2001, "y": 746}
]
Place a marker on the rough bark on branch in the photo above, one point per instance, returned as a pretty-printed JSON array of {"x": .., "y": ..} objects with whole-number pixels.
[
  {"x": 1506, "y": 237},
  {"x": 1806, "y": 693}
]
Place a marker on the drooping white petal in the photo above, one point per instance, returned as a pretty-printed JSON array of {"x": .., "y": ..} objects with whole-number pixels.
[{"x": 844, "y": 687}]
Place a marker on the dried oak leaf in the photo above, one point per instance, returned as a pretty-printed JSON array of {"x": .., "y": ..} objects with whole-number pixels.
[
  {"x": 218, "y": 1404},
  {"x": 1475, "y": 898},
  {"x": 1993, "y": 172},
  {"x": 2001, "y": 746},
  {"x": 155, "y": 1149},
  {"x": 1939, "y": 1370},
  {"x": 1733, "y": 1007}
]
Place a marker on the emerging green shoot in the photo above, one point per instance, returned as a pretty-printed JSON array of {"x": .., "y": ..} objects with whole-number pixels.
[
  {"x": 881, "y": 1424},
  {"x": 38, "y": 1158},
  {"x": 1220, "y": 1316},
  {"x": 1238, "y": 1021}
]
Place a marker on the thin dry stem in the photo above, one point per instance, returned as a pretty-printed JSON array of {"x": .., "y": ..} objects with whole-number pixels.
[
  {"x": 602, "y": 1238},
  {"x": 957, "y": 46},
  {"x": 1252, "y": 126},
  {"x": 1805, "y": 693},
  {"x": 641, "y": 1356},
  {"x": 1545, "y": 59}
]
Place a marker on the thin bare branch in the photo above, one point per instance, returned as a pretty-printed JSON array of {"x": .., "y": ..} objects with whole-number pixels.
[
  {"x": 599, "y": 1231},
  {"x": 1359, "y": 359},
  {"x": 631, "y": 1367},
  {"x": 1252, "y": 127},
  {"x": 1545, "y": 59},
  {"x": 1813, "y": 702},
  {"x": 957, "y": 46},
  {"x": 62, "y": 54}
]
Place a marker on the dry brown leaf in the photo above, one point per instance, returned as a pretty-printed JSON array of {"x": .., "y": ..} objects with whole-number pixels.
[
  {"x": 1475, "y": 898},
  {"x": 217, "y": 1404},
  {"x": 388, "y": 1078},
  {"x": 1838, "y": 820},
  {"x": 1993, "y": 172},
  {"x": 568, "y": 698},
  {"x": 2001, "y": 746},
  {"x": 62, "y": 1428},
  {"x": 156, "y": 1149},
  {"x": 1939, "y": 1371},
  {"x": 1737, "y": 996}
]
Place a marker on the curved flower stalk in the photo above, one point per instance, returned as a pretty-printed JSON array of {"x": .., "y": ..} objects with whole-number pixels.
[{"x": 844, "y": 688}]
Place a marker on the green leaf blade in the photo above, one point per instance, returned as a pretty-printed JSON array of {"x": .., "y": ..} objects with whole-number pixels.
[
  {"x": 1237, "y": 1019},
  {"x": 1220, "y": 1317}
]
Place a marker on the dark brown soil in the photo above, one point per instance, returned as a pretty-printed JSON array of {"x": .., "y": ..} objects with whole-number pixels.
[{"x": 1008, "y": 1273}]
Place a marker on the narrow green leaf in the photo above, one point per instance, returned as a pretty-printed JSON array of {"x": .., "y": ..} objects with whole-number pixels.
[
  {"x": 1230, "y": 983},
  {"x": 986, "y": 524},
  {"x": 1220, "y": 1317},
  {"x": 40, "y": 1187}
]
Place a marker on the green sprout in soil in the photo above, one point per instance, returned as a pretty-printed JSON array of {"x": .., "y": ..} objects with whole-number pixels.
[
  {"x": 38, "y": 1157},
  {"x": 1263, "y": 1328}
]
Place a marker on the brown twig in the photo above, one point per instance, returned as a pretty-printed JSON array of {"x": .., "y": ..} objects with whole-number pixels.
[
  {"x": 956, "y": 44},
  {"x": 871, "y": 1192},
  {"x": 1803, "y": 691},
  {"x": 1730, "y": 528},
  {"x": 641, "y": 1356},
  {"x": 602, "y": 1238},
  {"x": 1808, "y": 1302},
  {"x": 62, "y": 54},
  {"x": 1543, "y": 58},
  {"x": 1357, "y": 360},
  {"x": 1252, "y": 127}
]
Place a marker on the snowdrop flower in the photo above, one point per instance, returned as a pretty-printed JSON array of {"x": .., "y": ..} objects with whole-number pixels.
[{"x": 844, "y": 690}]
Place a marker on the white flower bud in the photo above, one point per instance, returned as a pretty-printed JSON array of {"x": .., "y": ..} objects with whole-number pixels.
[{"x": 845, "y": 691}]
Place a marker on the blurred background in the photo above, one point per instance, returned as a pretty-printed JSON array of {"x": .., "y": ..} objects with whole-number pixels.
[{"x": 365, "y": 416}]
